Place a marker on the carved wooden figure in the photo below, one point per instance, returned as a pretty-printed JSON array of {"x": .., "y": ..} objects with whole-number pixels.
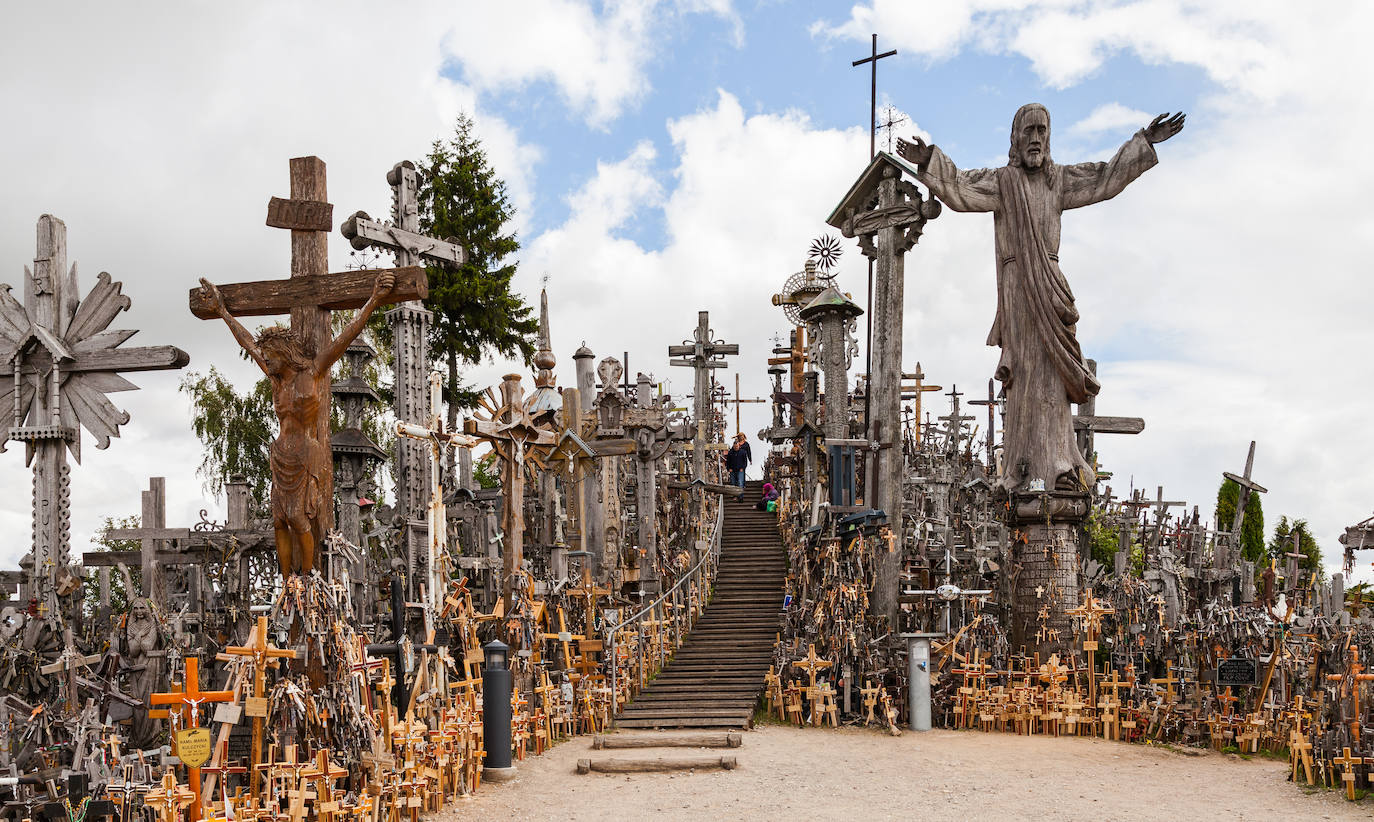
[{"x": 298, "y": 359}]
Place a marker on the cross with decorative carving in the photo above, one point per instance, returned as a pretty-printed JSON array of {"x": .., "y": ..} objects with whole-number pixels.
[
  {"x": 263, "y": 656},
  {"x": 513, "y": 435},
  {"x": 59, "y": 361}
]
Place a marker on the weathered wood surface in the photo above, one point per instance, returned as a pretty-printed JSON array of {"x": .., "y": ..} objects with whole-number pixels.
[
  {"x": 711, "y": 740},
  {"x": 363, "y": 232},
  {"x": 663, "y": 765},
  {"x": 300, "y": 215},
  {"x": 333, "y": 292},
  {"x": 1108, "y": 425}
]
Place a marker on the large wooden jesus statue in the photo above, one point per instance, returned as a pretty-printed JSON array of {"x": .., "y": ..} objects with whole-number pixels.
[
  {"x": 1041, "y": 368},
  {"x": 302, "y": 465}
]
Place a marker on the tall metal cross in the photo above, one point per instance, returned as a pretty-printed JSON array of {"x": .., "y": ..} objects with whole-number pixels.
[
  {"x": 872, "y": 59},
  {"x": 59, "y": 359}
]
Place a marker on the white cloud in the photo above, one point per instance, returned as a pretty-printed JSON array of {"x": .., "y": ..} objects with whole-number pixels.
[
  {"x": 1109, "y": 117},
  {"x": 1067, "y": 40},
  {"x": 597, "y": 61}
]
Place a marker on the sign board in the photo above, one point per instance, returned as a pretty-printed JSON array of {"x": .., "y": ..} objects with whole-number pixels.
[
  {"x": 193, "y": 746},
  {"x": 1237, "y": 670}
]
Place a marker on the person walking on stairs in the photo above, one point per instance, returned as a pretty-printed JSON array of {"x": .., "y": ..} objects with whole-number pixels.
[{"x": 738, "y": 458}]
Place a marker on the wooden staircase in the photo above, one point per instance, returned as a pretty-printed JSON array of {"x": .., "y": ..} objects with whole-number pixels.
[{"x": 715, "y": 678}]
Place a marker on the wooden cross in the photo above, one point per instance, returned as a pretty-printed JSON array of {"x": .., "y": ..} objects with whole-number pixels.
[
  {"x": 1348, "y": 763},
  {"x": 739, "y": 400},
  {"x": 512, "y": 434},
  {"x": 870, "y": 695},
  {"x": 223, "y": 770},
  {"x": 263, "y": 656},
  {"x": 311, "y": 293},
  {"x": 69, "y": 662},
  {"x": 993, "y": 405},
  {"x": 812, "y": 665},
  {"x": 169, "y": 798},
  {"x": 325, "y": 774},
  {"x": 1168, "y": 681},
  {"x": 189, "y": 700},
  {"x": 1247, "y": 486},
  {"x": 59, "y": 360}
]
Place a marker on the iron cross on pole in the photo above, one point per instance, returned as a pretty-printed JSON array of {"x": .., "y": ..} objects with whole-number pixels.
[{"x": 872, "y": 59}]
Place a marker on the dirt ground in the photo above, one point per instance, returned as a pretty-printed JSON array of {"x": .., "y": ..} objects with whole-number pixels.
[{"x": 789, "y": 773}]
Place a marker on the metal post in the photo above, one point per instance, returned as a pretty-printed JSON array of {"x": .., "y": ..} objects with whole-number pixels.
[
  {"x": 496, "y": 712},
  {"x": 918, "y": 680}
]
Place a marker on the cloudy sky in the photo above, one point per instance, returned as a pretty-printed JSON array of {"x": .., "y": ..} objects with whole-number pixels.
[{"x": 666, "y": 157}]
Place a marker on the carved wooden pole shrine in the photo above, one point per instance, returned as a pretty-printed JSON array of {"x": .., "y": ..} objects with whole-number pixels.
[
  {"x": 513, "y": 436},
  {"x": 410, "y": 338},
  {"x": 312, "y": 291},
  {"x": 885, "y": 234},
  {"x": 60, "y": 360}
]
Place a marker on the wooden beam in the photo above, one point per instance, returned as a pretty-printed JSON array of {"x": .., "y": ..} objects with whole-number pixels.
[
  {"x": 1108, "y": 425},
  {"x": 333, "y": 291}
]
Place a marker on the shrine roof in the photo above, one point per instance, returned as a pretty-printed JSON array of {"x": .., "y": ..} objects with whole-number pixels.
[{"x": 858, "y": 195}]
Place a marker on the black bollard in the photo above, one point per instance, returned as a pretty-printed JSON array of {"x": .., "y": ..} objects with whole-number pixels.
[{"x": 496, "y": 715}]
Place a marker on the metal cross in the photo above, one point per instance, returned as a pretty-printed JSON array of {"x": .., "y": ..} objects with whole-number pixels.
[{"x": 873, "y": 59}]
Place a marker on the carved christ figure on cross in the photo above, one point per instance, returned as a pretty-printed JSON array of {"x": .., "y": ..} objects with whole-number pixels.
[
  {"x": 1041, "y": 367},
  {"x": 302, "y": 466}
]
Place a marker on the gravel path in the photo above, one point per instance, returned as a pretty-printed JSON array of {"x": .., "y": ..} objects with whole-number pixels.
[{"x": 863, "y": 774}]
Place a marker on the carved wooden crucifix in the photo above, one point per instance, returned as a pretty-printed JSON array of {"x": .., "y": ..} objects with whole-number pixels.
[
  {"x": 298, "y": 361},
  {"x": 513, "y": 435}
]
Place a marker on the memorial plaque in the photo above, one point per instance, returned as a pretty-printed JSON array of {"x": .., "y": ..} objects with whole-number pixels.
[
  {"x": 1237, "y": 671},
  {"x": 193, "y": 746}
]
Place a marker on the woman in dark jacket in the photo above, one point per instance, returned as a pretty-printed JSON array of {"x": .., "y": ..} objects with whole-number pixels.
[{"x": 737, "y": 459}]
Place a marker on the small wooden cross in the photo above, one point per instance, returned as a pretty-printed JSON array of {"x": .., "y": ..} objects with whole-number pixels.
[
  {"x": 1168, "y": 681},
  {"x": 263, "y": 656},
  {"x": 169, "y": 798},
  {"x": 1348, "y": 763}
]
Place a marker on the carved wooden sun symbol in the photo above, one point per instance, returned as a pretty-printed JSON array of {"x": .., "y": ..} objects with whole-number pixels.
[
  {"x": 61, "y": 358},
  {"x": 825, "y": 252}
]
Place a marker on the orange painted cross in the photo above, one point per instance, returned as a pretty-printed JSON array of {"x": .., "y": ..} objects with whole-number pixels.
[{"x": 187, "y": 702}]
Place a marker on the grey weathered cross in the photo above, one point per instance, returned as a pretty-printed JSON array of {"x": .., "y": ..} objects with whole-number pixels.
[
  {"x": 59, "y": 360},
  {"x": 701, "y": 354},
  {"x": 954, "y": 419},
  {"x": 410, "y": 337},
  {"x": 993, "y": 405},
  {"x": 1247, "y": 485}
]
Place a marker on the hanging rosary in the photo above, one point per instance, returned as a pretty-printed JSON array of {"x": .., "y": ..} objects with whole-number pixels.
[{"x": 76, "y": 816}]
